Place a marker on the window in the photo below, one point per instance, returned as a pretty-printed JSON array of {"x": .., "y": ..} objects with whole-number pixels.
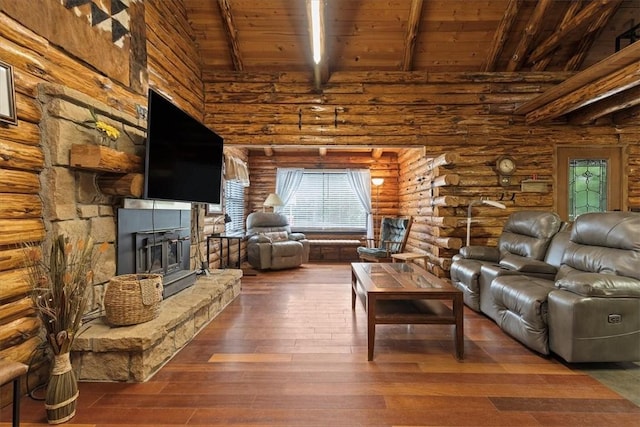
[
  {"x": 325, "y": 201},
  {"x": 234, "y": 204},
  {"x": 587, "y": 186}
]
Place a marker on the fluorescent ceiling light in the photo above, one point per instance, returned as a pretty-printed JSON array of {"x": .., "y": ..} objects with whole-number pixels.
[{"x": 315, "y": 29}]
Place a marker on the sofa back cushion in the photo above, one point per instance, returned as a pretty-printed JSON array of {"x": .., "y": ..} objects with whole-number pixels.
[
  {"x": 604, "y": 242},
  {"x": 528, "y": 233}
]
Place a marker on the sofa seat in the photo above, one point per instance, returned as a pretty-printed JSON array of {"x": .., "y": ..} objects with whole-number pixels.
[{"x": 522, "y": 309}]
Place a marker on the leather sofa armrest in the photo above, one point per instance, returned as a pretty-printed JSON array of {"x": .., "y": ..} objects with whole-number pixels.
[
  {"x": 297, "y": 236},
  {"x": 481, "y": 253},
  {"x": 600, "y": 285},
  {"x": 527, "y": 265}
]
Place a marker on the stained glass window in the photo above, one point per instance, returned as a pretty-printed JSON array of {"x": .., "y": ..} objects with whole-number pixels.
[{"x": 587, "y": 186}]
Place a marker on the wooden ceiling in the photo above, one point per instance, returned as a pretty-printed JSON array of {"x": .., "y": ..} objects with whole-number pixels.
[
  {"x": 422, "y": 35},
  {"x": 435, "y": 36}
]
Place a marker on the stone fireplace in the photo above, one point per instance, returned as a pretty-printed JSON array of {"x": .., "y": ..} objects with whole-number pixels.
[{"x": 83, "y": 199}]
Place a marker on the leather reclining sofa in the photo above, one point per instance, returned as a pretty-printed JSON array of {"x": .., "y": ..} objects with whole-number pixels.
[{"x": 580, "y": 299}]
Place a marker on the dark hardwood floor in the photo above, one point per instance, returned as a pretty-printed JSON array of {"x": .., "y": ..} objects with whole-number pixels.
[{"x": 290, "y": 352}]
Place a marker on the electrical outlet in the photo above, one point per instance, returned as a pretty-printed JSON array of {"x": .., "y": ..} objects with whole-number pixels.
[{"x": 142, "y": 112}]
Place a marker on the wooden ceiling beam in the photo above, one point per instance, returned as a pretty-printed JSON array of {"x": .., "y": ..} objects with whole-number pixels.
[
  {"x": 572, "y": 10},
  {"x": 576, "y": 60},
  {"x": 531, "y": 32},
  {"x": 268, "y": 151},
  {"x": 376, "y": 153},
  {"x": 232, "y": 34},
  {"x": 413, "y": 27},
  {"x": 621, "y": 101},
  {"x": 612, "y": 84},
  {"x": 501, "y": 35},
  {"x": 590, "y": 13},
  {"x": 628, "y": 116},
  {"x": 322, "y": 151},
  {"x": 618, "y": 60}
]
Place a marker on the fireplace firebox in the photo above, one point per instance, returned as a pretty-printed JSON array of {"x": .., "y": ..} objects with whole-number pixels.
[{"x": 156, "y": 241}]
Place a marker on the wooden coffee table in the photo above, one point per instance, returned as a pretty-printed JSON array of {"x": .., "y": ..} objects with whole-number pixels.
[{"x": 400, "y": 293}]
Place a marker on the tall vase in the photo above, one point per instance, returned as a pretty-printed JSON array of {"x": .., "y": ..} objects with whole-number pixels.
[{"x": 62, "y": 391}]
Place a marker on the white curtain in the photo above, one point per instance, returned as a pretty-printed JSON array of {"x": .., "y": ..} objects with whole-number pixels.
[
  {"x": 360, "y": 181},
  {"x": 287, "y": 183}
]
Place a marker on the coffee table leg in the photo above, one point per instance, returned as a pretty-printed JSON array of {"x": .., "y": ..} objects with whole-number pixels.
[
  {"x": 371, "y": 325},
  {"x": 459, "y": 315},
  {"x": 353, "y": 290}
]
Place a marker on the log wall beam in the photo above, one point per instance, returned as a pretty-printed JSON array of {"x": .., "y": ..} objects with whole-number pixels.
[
  {"x": 232, "y": 34},
  {"x": 602, "y": 69},
  {"x": 621, "y": 101},
  {"x": 413, "y": 26},
  {"x": 571, "y": 11},
  {"x": 531, "y": 32},
  {"x": 586, "y": 16},
  {"x": 589, "y": 38},
  {"x": 625, "y": 78},
  {"x": 501, "y": 35}
]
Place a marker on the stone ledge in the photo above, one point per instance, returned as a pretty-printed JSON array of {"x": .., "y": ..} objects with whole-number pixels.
[{"x": 134, "y": 353}]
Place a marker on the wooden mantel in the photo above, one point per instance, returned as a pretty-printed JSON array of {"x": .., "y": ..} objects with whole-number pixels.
[{"x": 616, "y": 74}]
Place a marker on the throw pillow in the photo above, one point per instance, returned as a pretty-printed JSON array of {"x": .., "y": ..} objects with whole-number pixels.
[{"x": 277, "y": 236}]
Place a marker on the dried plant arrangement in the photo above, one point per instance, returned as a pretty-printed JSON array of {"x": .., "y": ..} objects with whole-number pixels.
[{"x": 60, "y": 280}]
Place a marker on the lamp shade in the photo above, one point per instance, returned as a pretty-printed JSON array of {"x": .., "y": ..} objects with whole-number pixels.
[
  {"x": 273, "y": 200},
  {"x": 377, "y": 181}
]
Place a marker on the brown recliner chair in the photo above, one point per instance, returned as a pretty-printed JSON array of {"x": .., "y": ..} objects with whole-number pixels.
[
  {"x": 271, "y": 245},
  {"x": 526, "y": 236}
]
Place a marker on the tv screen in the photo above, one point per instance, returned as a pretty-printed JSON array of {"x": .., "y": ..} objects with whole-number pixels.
[{"x": 183, "y": 160}]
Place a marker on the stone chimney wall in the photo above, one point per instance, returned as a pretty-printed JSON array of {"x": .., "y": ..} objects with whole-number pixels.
[{"x": 73, "y": 204}]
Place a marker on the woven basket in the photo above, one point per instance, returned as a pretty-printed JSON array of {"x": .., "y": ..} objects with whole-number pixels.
[{"x": 133, "y": 298}]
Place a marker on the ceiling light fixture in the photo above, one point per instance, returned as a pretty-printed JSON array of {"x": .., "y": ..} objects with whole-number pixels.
[{"x": 315, "y": 29}]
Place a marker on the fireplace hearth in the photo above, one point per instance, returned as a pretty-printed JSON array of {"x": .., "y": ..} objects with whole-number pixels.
[{"x": 156, "y": 241}]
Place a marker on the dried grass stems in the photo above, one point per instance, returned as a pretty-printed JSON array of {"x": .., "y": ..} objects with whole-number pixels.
[{"x": 60, "y": 280}]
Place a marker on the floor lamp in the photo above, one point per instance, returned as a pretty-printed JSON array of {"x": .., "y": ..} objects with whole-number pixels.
[
  {"x": 479, "y": 202},
  {"x": 377, "y": 182}
]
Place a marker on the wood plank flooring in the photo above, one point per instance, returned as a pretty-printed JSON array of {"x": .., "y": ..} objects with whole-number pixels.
[{"x": 290, "y": 352}]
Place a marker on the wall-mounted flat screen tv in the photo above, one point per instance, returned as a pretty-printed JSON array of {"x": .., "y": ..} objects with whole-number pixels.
[{"x": 183, "y": 159}]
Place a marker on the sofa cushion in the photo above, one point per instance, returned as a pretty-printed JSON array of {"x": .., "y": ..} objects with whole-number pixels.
[
  {"x": 526, "y": 265},
  {"x": 605, "y": 242},
  {"x": 276, "y": 236},
  {"x": 286, "y": 248},
  {"x": 528, "y": 233}
]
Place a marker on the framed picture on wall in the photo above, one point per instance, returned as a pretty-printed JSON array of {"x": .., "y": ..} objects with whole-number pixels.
[{"x": 7, "y": 95}]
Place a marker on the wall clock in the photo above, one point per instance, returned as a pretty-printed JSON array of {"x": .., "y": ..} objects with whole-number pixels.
[{"x": 506, "y": 166}]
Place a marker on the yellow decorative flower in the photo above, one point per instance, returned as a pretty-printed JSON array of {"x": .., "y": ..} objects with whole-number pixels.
[
  {"x": 111, "y": 132},
  {"x": 105, "y": 130}
]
